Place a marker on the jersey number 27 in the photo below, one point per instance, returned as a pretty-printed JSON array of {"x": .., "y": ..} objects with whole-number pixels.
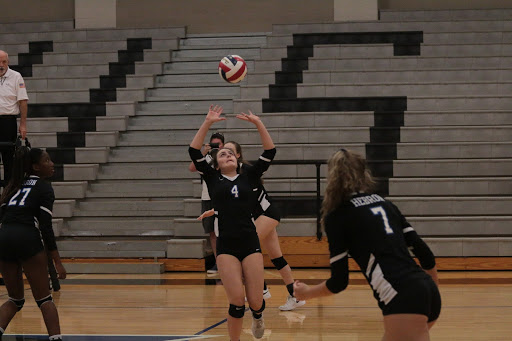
[{"x": 14, "y": 201}]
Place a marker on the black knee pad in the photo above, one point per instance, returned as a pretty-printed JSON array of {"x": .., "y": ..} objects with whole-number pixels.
[
  {"x": 42, "y": 301},
  {"x": 279, "y": 263},
  {"x": 236, "y": 311},
  {"x": 19, "y": 303},
  {"x": 259, "y": 311}
]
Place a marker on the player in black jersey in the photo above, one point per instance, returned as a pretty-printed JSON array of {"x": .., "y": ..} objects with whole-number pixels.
[
  {"x": 266, "y": 218},
  {"x": 374, "y": 232},
  {"x": 26, "y": 221},
  {"x": 238, "y": 248}
]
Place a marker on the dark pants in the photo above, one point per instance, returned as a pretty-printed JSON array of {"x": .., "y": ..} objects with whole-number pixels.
[{"x": 8, "y": 133}]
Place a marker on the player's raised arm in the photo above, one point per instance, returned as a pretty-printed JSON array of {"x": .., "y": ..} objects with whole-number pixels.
[
  {"x": 212, "y": 117},
  {"x": 266, "y": 140}
]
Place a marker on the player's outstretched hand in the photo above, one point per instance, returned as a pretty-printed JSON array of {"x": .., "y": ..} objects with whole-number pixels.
[
  {"x": 300, "y": 290},
  {"x": 214, "y": 114},
  {"x": 249, "y": 118},
  {"x": 206, "y": 214}
]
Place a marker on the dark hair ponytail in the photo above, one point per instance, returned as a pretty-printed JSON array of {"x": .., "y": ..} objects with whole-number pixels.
[{"x": 24, "y": 158}]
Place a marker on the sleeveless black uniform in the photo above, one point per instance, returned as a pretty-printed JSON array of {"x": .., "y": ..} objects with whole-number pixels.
[
  {"x": 233, "y": 200},
  {"x": 376, "y": 234},
  {"x": 26, "y": 219},
  {"x": 265, "y": 206}
]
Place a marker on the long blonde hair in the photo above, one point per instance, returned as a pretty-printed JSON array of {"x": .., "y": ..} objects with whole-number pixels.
[{"x": 347, "y": 173}]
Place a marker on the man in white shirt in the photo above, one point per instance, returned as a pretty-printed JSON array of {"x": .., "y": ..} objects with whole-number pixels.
[{"x": 13, "y": 101}]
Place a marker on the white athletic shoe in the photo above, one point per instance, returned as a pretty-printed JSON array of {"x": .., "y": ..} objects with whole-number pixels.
[
  {"x": 258, "y": 327},
  {"x": 266, "y": 294},
  {"x": 291, "y": 303}
]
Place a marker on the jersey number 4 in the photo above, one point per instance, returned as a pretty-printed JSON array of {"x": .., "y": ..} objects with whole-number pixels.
[
  {"x": 234, "y": 191},
  {"x": 14, "y": 200},
  {"x": 380, "y": 211}
]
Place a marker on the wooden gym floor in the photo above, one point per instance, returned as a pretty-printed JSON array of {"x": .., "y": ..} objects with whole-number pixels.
[{"x": 190, "y": 306}]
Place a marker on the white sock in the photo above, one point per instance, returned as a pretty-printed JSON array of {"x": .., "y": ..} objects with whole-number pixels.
[
  {"x": 1, "y": 331},
  {"x": 56, "y": 337}
]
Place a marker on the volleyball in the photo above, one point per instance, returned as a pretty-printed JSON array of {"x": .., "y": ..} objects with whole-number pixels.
[{"x": 232, "y": 68}]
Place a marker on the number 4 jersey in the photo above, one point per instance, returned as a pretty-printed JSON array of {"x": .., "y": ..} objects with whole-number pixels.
[
  {"x": 32, "y": 205},
  {"x": 233, "y": 198}
]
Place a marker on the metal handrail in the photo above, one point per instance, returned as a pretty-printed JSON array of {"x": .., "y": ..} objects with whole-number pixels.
[{"x": 317, "y": 164}]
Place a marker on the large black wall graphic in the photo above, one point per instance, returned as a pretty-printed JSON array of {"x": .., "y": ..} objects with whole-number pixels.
[{"x": 388, "y": 111}]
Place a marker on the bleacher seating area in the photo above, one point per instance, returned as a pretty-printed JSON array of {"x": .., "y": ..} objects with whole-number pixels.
[{"x": 424, "y": 95}]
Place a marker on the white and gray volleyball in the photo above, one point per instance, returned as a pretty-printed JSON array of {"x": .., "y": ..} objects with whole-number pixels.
[{"x": 232, "y": 68}]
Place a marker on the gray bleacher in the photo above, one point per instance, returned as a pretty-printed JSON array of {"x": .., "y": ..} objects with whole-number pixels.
[{"x": 130, "y": 191}]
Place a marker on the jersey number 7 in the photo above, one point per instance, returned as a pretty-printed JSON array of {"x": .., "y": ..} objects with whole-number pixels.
[{"x": 380, "y": 211}]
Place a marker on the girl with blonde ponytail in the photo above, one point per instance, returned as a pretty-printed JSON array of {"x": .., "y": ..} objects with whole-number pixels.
[{"x": 375, "y": 233}]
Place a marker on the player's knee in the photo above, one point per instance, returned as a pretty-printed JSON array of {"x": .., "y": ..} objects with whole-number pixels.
[
  {"x": 236, "y": 311},
  {"x": 18, "y": 302},
  {"x": 44, "y": 300},
  {"x": 279, "y": 263},
  {"x": 259, "y": 311}
]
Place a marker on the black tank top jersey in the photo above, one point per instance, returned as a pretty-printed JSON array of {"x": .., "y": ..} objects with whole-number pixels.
[
  {"x": 263, "y": 200},
  {"x": 233, "y": 198},
  {"x": 32, "y": 205},
  {"x": 374, "y": 232}
]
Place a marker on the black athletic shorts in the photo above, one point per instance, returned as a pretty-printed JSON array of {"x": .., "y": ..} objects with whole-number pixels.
[
  {"x": 239, "y": 247},
  {"x": 272, "y": 212},
  {"x": 208, "y": 222},
  {"x": 416, "y": 296},
  {"x": 19, "y": 242}
]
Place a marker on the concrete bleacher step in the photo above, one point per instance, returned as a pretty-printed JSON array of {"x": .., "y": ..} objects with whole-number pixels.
[
  {"x": 143, "y": 169},
  {"x": 69, "y": 189},
  {"x": 221, "y": 89},
  {"x": 78, "y": 70},
  {"x": 190, "y": 79},
  {"x": 414, "y": 103},
  {"x": 92, "y": 139},
  {"x": 356, "y": 89},
  {"x": 151, "y": 154},
  {"x": 229, "y": 39},
  {"x": 444, "y": 150},
  {"x": 408, "y": 63},
  {"x": 121, "y": 207},
  {"x": 105, "y": 45},
  {"x": 114, "y": 268},
  {"x": 187, "y": 106},
  {"x": 140, "y": 188},
  {"x": 451, "y": 14},
  {"x": 112, "y": 248},
  {"x": 456, "y": 206},
  {"x": 456, "y": 133},
  {"x": 215, "y": 52},
  {"x": 118, "y": 226},
  {"x": 450, "y": 186},
  {"x": 187, "y": 248},
  {"x": 205, "y": 65},
  {"x": 417, "y": 206},
  {"x": 63, "y": 208},
  {"x": 37, "y": 26},
  {"x": 401, "y": 75},
  {"x": 78, "y": 172},
  {"x": 437, "y": 49},
  {"x": 62, "y": 124},
  {"x": 452, "y": 167},
  {"x": 425, "y": 25},
  {"x": 95, "y": 34}
]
